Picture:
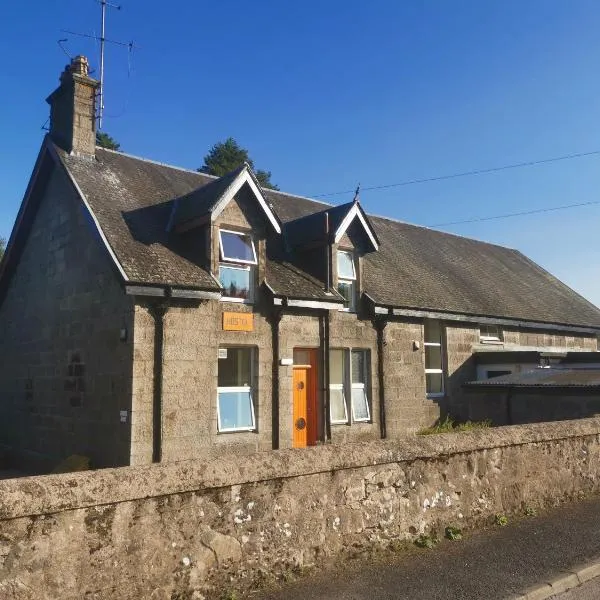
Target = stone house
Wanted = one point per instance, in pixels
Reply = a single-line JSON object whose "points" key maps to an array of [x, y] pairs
{"points": [[151, 313]]}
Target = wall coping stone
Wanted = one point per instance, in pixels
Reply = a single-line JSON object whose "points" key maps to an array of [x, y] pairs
{"points": [[47, 494]]}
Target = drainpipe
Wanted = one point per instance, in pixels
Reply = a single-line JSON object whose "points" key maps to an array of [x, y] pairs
{"points": [[328, 255], [324, 335], [380, 327], [275, 319], [158, 311]]}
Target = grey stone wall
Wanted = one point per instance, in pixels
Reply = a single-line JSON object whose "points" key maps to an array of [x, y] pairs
{"points": [[554, 339], [347, 331], [194, 529], [192, 336], [65, 374]]}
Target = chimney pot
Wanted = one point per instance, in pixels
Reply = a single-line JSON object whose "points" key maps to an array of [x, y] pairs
{"points": [[80, 66]]}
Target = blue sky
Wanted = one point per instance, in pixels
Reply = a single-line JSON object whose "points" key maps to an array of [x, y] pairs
{"points": [[329, 93]]}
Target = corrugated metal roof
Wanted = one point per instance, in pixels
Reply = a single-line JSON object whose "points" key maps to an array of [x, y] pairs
{"points": [[543, 377]]}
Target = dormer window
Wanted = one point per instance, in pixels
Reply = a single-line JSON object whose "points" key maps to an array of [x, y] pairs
{"points": [[236, 269], [347, 279]]}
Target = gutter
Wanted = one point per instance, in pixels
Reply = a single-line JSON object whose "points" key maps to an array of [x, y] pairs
{"points": [[390, 312], [159, 291]]}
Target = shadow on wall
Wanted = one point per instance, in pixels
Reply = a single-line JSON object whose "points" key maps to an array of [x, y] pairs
{"points": [[456, 403], [514, 406]]}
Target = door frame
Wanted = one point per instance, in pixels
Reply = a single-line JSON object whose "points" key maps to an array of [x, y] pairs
{"points": [[312, 395]]}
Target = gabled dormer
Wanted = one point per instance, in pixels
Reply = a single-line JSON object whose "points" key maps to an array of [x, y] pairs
{"points": [[330, 244], [232, 219]]}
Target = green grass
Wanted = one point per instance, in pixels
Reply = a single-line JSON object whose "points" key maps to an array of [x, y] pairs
{"points": [[449, 425]]}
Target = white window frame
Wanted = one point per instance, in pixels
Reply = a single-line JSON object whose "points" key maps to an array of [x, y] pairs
{"points": [[241, 265], [338, 387], [239, 388], [439, 345], [236, 260], [348, 386], [348, 281], [490, 339], [250, 298]]}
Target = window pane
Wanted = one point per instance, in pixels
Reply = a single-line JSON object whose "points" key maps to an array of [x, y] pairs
{"points": [[235, 370], [346, 289], [433, 357], [337, 406], [490, 331], [237, 246], [302, 357], [433, 332], [358, 366], [235, 409], [336, 367], [345, 264], [360, 406], [435, 383], [236, 282]]}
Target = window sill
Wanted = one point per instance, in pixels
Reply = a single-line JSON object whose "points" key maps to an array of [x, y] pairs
{"points": [[362, 421], [236, 300], [340, 423], [491, 341], [436, 395], [238, 430]]}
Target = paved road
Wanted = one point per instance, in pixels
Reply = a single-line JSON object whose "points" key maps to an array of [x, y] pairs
{"points": [[587, 591], [486, 565]]}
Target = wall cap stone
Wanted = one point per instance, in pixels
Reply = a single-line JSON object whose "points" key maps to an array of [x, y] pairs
{"points": [[47, 494]]}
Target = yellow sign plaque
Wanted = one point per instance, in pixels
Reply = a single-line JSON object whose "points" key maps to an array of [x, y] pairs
{"points": [[234, 321]]}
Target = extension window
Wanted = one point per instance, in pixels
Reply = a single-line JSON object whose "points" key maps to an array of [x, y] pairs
{"points": [[235, 397], [237, 265], [348, 386], [490, 334]]}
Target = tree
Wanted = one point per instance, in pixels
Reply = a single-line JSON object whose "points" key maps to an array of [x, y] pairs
{"points": [[106, 141], [226, 156]]}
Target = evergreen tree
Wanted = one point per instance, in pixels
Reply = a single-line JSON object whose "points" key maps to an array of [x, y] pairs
{"points": [[106, 141], [226, 156]]}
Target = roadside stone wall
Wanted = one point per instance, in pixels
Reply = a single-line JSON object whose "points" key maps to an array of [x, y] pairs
{"points": [[194, 529]]}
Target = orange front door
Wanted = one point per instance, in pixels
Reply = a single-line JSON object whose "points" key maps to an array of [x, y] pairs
{"points": [[300, 422]]}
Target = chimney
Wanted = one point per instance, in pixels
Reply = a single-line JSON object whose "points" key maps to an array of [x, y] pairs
{"points": [[73, 109]]}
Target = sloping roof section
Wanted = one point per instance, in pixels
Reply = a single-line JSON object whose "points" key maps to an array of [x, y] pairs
{"points": [[327, 226], [210, 199], [416, 267]]}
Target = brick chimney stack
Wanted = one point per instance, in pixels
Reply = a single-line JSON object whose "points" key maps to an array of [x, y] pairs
{"points": [[73, 109]]}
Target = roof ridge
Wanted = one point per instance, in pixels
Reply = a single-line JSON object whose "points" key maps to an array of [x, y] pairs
{"points": [[434, 230], [157, 162], [215, 177]]}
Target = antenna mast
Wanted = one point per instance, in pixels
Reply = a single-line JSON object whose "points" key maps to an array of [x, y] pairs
{"points": [[103, 5]]}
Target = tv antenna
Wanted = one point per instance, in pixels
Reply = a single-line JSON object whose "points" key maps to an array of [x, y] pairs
{"points": [[104, 4]]}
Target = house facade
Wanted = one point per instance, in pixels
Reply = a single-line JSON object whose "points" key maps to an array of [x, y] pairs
{"points": [[151, 313]]}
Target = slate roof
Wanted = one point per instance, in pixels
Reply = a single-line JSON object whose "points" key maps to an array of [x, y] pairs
{"points": [[545, 378], [415, 267], [201, 200]]}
